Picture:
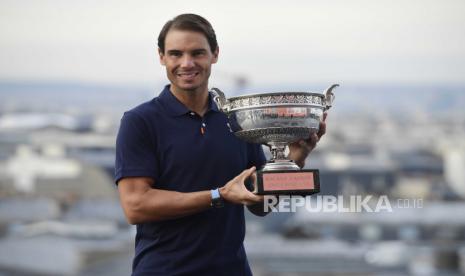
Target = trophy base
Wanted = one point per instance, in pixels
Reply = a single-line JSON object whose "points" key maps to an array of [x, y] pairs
{"points": [[284, 182], [280, 165]]}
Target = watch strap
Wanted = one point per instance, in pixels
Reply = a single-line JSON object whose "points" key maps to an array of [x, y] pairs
{"points": [[217, 200]]}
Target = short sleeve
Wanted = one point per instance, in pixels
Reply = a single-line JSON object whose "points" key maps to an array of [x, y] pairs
{"points": [[135, 150], [256, 156]]}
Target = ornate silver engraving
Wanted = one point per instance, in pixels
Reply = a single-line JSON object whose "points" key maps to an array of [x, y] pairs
{"points": [[276, 98], [275, 119], [278, 134]]}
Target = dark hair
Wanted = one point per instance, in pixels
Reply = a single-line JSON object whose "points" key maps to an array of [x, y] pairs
{"points": [[189, 22]]}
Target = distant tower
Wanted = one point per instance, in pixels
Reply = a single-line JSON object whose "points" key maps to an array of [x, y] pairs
{"points": [[454, 169], [241, 82]]}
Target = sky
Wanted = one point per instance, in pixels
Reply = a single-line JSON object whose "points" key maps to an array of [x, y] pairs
{"points": [[266, 42]]}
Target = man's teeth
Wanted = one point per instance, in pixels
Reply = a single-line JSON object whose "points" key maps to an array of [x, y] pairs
{"points": [[187, 74]]}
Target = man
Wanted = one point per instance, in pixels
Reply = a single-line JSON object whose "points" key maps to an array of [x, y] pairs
{"points": [[180, 171]]}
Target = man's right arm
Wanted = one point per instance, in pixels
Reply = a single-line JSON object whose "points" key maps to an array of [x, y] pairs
{"points": [[142, 203]]}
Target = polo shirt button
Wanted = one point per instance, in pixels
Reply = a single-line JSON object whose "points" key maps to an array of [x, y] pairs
{"points": [[192, 113]]}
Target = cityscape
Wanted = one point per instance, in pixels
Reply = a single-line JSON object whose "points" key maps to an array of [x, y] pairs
{"points": [[60, 214], [391, 164]]}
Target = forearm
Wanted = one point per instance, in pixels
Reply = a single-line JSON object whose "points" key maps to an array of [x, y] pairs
{"points": [[157, 205], [141, 203]]}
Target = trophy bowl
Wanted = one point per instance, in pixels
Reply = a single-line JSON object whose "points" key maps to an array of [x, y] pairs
{"points": [[277, 119]]}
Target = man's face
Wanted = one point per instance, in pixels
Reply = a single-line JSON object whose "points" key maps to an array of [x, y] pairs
{"points": [[188, 60]]}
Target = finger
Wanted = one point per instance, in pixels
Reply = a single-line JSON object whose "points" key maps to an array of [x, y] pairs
{"points": [[253, 198], [312, 141], [253, 178], [322, 129], [258, 198], [250, 182], [308, 144], [247, 173], [325, 114]]}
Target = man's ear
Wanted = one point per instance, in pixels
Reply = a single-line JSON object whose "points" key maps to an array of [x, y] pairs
{"points": [[161, 56], [215, 55]]}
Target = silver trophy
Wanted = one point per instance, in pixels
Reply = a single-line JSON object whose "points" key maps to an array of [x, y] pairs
{"points": [[278, 119]]}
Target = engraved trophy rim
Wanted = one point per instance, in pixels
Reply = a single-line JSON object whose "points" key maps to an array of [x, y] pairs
{"points": [[250, 95], [276, 99]]}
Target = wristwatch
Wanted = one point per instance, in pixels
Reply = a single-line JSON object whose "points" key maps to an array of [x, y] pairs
{"points": [[217, 200]]}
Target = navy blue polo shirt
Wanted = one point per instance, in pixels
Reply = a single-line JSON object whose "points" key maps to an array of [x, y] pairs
{"points": [[184, 152]]}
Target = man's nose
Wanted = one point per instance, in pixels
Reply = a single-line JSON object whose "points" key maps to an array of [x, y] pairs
{"points": [[187, 61]]}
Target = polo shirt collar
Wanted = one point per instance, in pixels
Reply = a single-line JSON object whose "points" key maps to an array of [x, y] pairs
{"points": [[175, 108]]}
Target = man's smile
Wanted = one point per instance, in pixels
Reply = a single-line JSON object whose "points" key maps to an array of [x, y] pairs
{"points": [[187, 75]]}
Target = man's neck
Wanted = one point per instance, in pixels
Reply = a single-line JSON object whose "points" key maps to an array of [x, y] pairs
{"points": [[196, 101]]}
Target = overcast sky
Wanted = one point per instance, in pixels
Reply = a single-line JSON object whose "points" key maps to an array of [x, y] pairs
{"points": [[358, 41]]}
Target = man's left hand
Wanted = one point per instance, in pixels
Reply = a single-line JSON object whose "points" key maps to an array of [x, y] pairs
{"points": [[299, 150]]}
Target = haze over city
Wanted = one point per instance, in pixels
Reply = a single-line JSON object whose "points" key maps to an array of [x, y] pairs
{"points": [[270, 42]]}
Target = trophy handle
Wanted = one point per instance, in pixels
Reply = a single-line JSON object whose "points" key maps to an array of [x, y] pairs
{"points": [[329, 96], [220, 99]]}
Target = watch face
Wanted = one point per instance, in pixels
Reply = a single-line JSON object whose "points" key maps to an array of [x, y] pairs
{"points": [[217, 201]]}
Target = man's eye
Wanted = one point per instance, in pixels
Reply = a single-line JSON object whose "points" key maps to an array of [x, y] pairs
{"points": [[175, 54], [196, 54]]}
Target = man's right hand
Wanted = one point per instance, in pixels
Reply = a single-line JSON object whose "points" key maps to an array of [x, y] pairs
{"points": [[235, 191]]}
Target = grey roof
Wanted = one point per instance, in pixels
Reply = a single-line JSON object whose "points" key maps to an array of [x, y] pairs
{"points": [[28, 209]]}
